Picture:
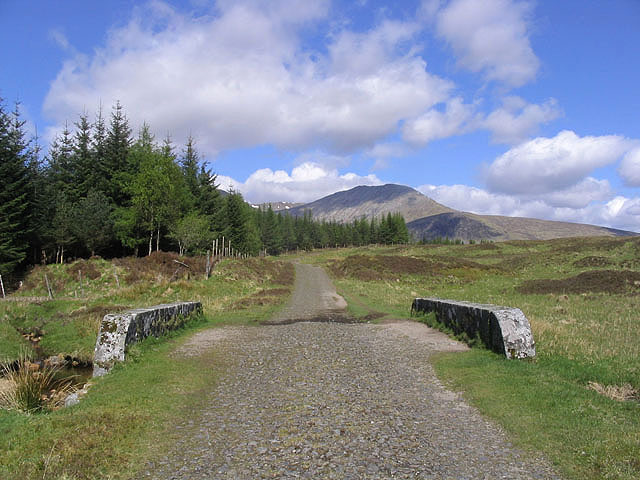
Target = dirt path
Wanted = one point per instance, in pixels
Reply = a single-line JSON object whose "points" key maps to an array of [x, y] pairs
{"points": [[335, 401], [314, 298]]}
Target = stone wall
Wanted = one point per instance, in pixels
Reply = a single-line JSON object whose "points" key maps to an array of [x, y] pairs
{"points": [[117, 331], [504, 330]]}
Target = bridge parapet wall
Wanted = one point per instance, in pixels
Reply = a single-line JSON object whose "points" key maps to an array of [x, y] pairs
{"points": [[504, 330], [117, 331]]}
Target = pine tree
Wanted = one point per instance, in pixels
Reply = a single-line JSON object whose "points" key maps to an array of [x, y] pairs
{"points": [[62, 171], [270, 233], [15, 199], [98, 179], [117, 144], [82, 157], [92, 224], [189, 163]]}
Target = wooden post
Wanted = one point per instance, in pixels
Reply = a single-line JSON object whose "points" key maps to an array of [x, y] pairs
{"points": [[115, 274], [223, 247], [2, 286], [81, 286], [208, 269], [46, 279]]}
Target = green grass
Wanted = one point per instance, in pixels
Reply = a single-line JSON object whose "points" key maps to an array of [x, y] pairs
{"points": [[585, 331], [127, 416], [69, 324]]}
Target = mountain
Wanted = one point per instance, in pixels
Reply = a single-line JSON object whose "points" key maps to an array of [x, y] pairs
{"points": [[428, 219], [366, 201]]}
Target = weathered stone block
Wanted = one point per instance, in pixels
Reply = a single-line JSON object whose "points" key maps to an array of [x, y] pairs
{"points": [[502, 329], [117, 331]]}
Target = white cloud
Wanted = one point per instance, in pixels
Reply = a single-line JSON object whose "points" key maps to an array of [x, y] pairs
{"points": [[545, 165], [472, 199], [630, 168], [490, 36], [307, 182], [384, 152], [60, 39], [242, 78], [434, 124], [618, 212], [516, 120]]}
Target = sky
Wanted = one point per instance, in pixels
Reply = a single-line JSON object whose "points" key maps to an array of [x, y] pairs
{"points": [[506, 107]]}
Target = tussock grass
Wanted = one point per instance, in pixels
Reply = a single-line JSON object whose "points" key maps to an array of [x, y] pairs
{"points": [[32, 390]]}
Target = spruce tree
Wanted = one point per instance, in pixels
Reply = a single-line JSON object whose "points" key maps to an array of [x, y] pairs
{"points": [[15, 201], [82, 157], [62, 170], [189, 163], [117, 144], [99, 178]]}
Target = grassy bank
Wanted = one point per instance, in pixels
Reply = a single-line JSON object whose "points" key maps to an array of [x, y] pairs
{"points": [[128, 414], [84, 291], [581, 297]]}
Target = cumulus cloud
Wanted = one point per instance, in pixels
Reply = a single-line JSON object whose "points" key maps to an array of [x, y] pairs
{"points": [[597, 209], [516, 120], [435, 124], [307, 182], [545, 165], [630, 168], [242, 77], [489, 36]]}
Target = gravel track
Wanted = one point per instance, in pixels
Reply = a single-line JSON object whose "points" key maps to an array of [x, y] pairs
{"points": [[336, 401], [314, 298]]}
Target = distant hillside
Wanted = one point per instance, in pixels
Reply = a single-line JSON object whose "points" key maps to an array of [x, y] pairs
{"points": [[367, 201], [428, 219]]}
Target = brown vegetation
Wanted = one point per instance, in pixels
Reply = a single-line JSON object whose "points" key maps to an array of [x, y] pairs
{"points": [[88, 269], [592, 261], [596, 281], [160, 266], [621, 393], [390, 267]]}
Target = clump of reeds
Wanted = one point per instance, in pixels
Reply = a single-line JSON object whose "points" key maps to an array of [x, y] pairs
{"points": [[31, 390]]}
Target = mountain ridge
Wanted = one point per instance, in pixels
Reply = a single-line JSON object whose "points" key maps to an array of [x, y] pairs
{"points": [[428, 219]]}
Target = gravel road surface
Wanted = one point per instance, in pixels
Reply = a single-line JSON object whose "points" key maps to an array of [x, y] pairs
{"points": [[335, 401], [314, 298]]}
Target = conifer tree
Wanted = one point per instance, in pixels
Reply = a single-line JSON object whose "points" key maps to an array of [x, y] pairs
{"points": [[99, 177], [117, 144], [189, 163], [15, 198], [62, 174], [82, 157]]}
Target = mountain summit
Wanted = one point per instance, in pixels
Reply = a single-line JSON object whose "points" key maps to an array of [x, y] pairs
{"points": [[428, 219], [373, 201]]}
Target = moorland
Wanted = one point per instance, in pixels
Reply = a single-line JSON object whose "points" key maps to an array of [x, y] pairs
{"points": [[577, 402]]}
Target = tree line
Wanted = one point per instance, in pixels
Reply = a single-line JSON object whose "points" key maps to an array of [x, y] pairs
{"points": [[100, 189]]}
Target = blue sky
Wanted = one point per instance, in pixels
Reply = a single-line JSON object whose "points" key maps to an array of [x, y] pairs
{"points": [[492, 106]]}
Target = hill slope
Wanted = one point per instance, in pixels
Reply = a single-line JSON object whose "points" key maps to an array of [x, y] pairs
{"points": [[428, 219], [366, 201]]}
